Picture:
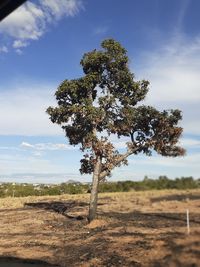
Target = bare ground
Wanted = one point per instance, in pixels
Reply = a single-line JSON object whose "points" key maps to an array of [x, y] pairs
{"points": [[132, 229]]}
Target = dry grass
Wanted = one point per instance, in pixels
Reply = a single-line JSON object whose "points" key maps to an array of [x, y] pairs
{"points": [[132, 229]]}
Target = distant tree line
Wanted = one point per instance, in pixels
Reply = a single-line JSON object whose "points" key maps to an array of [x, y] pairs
{"points": [[24, 190], [163, 182]]}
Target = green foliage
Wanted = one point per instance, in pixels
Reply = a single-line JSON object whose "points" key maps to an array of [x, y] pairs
{"points": [[163, 182], [23, 190], [105, 101], [151, 184], [73, 188]]}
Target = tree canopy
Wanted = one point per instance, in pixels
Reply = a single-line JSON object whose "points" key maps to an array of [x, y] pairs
{"points": [[105, 102]]}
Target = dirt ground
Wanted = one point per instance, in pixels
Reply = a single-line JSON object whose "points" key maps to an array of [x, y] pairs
{"points": [[132, 229]]}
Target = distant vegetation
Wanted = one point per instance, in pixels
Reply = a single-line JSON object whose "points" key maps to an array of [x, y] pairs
{"points": [[163, 182], [151, 184]]}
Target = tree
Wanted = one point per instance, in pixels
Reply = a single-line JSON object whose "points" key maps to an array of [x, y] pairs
{"points": [[104, 102]]}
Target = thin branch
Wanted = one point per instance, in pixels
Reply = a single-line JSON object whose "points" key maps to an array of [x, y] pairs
{"points": [[120, 159]]}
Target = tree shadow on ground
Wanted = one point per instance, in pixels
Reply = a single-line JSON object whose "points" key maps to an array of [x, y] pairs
{"points": [[92, 250], [29, 244], [13, 210], [153, 220], [62, 207], [194, 217], [109, 249], [19, 262], [139, 219], [185, 253], [179, 255], [123, 241], [176, 197]]}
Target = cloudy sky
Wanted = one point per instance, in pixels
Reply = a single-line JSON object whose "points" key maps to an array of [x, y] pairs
{"points": [[41, 44]]}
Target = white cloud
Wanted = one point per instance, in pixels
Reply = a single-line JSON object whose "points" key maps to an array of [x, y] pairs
{"points": [[182, 12], [19, 51], [26, 22], [3, 49], [173, 72], [24, 110], [57, 9], [19, 44], [101, 30], [119, 143], [43, 177], [172, 167], [9, 148], [27, 145], [189, 142], [46, 146], [17, 163], [191, 124], [30, 21], [154, 166], [30, 164], [37, 154]]}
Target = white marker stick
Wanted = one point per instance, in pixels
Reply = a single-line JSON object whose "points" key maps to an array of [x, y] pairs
{"points": [[188, 222]]}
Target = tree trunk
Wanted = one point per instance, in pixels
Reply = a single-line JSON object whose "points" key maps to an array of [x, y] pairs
{"points": [[94, 191]]}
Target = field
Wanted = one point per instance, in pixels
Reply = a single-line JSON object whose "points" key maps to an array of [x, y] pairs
{"points": [[132, 229]]}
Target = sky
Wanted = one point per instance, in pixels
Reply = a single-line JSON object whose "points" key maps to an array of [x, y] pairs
{"points": [[41, 44]]}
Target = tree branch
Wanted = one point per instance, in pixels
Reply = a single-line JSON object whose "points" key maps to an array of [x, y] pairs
{"points": [[120, 159]]}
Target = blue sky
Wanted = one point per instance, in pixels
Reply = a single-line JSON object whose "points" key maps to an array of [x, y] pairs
{"points": [[41, 44]]}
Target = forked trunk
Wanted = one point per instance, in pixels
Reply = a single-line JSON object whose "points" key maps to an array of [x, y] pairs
{"points": [[94, 191]]}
